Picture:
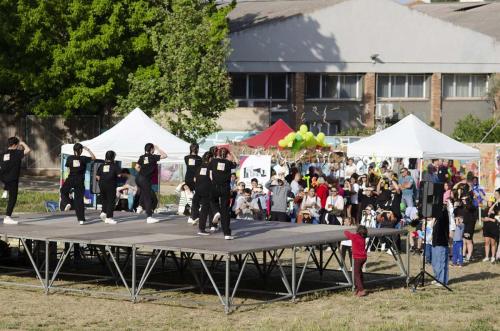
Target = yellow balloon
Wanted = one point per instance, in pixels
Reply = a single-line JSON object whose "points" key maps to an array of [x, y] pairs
{"points": [[303, 128], [282, 143], [290, 144], [320, 136]]}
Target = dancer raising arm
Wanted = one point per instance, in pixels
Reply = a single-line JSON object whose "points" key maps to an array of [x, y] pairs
{"points": [[145, 167], [77, 165], [107, 175], [10, 169], [220, 173]]}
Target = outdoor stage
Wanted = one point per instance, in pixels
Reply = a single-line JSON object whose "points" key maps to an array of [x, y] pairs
{"points": [[128, 254]]}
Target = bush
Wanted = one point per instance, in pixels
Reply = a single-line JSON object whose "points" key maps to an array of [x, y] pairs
{"points": [[472, 130]]}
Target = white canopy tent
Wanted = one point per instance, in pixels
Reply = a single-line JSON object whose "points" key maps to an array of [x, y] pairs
{"points": [[128, 137], [412, 138]]}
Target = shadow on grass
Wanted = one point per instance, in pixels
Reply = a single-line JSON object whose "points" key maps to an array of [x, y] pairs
{"points": [[474, 277]]}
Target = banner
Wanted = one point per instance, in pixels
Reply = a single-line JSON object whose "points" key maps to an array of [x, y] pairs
{"points": [[255, 166]]}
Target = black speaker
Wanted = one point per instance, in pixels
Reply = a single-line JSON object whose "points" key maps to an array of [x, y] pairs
{"points": [[432, 199], [94, 184]]}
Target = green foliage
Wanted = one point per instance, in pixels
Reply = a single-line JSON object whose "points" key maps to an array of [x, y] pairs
{"points": [[188, 85], [71, 56], [471, 129]]}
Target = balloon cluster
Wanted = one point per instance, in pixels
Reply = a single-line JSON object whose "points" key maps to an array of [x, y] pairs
{"points": [[303, 139]]}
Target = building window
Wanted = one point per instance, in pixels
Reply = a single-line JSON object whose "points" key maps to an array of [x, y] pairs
{"points": [[259, 86], [465, 86], [333, 87], [401, 86], [239, 86], [313, 82]]}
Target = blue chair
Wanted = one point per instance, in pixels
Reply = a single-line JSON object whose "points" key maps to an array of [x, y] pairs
{"points": [[51, 206]]}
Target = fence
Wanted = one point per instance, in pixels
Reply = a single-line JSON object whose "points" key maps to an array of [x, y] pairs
{"points": [[46, 136]]}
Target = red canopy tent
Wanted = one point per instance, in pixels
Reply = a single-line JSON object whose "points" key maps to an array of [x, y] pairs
{"points": [[270, 136]]}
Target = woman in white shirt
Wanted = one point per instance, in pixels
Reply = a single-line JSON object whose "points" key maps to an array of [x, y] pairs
{"points": [[350, 168], [334, 207], [353, 187], [310, 207]]}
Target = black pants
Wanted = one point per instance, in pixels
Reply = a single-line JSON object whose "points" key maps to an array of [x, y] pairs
{"points": [[108, 198], [78, 186], [148, 197], [221, 195], [279, 216], [204, 201], [195, 208], [12, 188]]}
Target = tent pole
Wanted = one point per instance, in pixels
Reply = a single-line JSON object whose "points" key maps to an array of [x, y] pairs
{"points": [[479, 183], [420, 172]]}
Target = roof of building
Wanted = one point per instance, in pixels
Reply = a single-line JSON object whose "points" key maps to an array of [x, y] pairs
{"points": [[483, 17], [249, 13]]}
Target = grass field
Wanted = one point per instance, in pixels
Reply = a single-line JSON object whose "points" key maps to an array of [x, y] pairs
{"points": [[474, 304]]}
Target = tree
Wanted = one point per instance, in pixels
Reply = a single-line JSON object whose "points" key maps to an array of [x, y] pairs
{"points": [[188, 85], [472, 130], [71, 56]]}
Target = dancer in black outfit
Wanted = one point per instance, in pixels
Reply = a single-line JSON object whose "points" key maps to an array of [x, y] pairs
{"points": [[220, 173], [77, 165], [193, 163], [107, 175], [145, 167], [202, 193], [10, 169]]}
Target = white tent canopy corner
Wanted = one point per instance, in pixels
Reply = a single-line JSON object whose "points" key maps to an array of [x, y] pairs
{"points": [[412, 138], [129, 136]]}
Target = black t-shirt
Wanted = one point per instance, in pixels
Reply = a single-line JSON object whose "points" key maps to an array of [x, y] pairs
{"points": [[442, 173], [108, 173], [11, 164], [221, 170], [148, 163], [441, 230], [203, 182], [77, 165], [193, 162]]}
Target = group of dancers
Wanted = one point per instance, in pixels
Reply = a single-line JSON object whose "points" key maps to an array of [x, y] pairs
{"points": [[208, 176]]}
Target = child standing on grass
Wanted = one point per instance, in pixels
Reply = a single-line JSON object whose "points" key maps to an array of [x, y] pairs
{"points": [[359, 257], [457, 258]]}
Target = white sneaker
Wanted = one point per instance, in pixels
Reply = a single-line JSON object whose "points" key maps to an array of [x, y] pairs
{"points": [[216, 218], [9, 220], [486, 259], [67, 207], [81, 222], [102, 216], [228, 237], [389, 252], [492, 260], [139, 210], [109, 221], [213, 229], [5, 194], [151, 220], [192, 221], [203, 233]]}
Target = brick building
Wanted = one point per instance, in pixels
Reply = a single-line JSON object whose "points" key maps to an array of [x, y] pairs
{"points": [[339, 64]]}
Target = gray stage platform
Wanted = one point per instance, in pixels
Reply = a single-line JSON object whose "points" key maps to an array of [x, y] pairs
{"points": [[173, 235]]}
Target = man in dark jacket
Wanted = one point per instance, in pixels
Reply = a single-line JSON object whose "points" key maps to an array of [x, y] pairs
{"points": [[440, 238]]}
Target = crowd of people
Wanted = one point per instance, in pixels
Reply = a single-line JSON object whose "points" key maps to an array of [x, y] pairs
{"points": [[373, 195]]}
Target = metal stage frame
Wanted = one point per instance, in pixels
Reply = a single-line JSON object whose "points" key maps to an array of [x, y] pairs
{"points": [[131, 259]]}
